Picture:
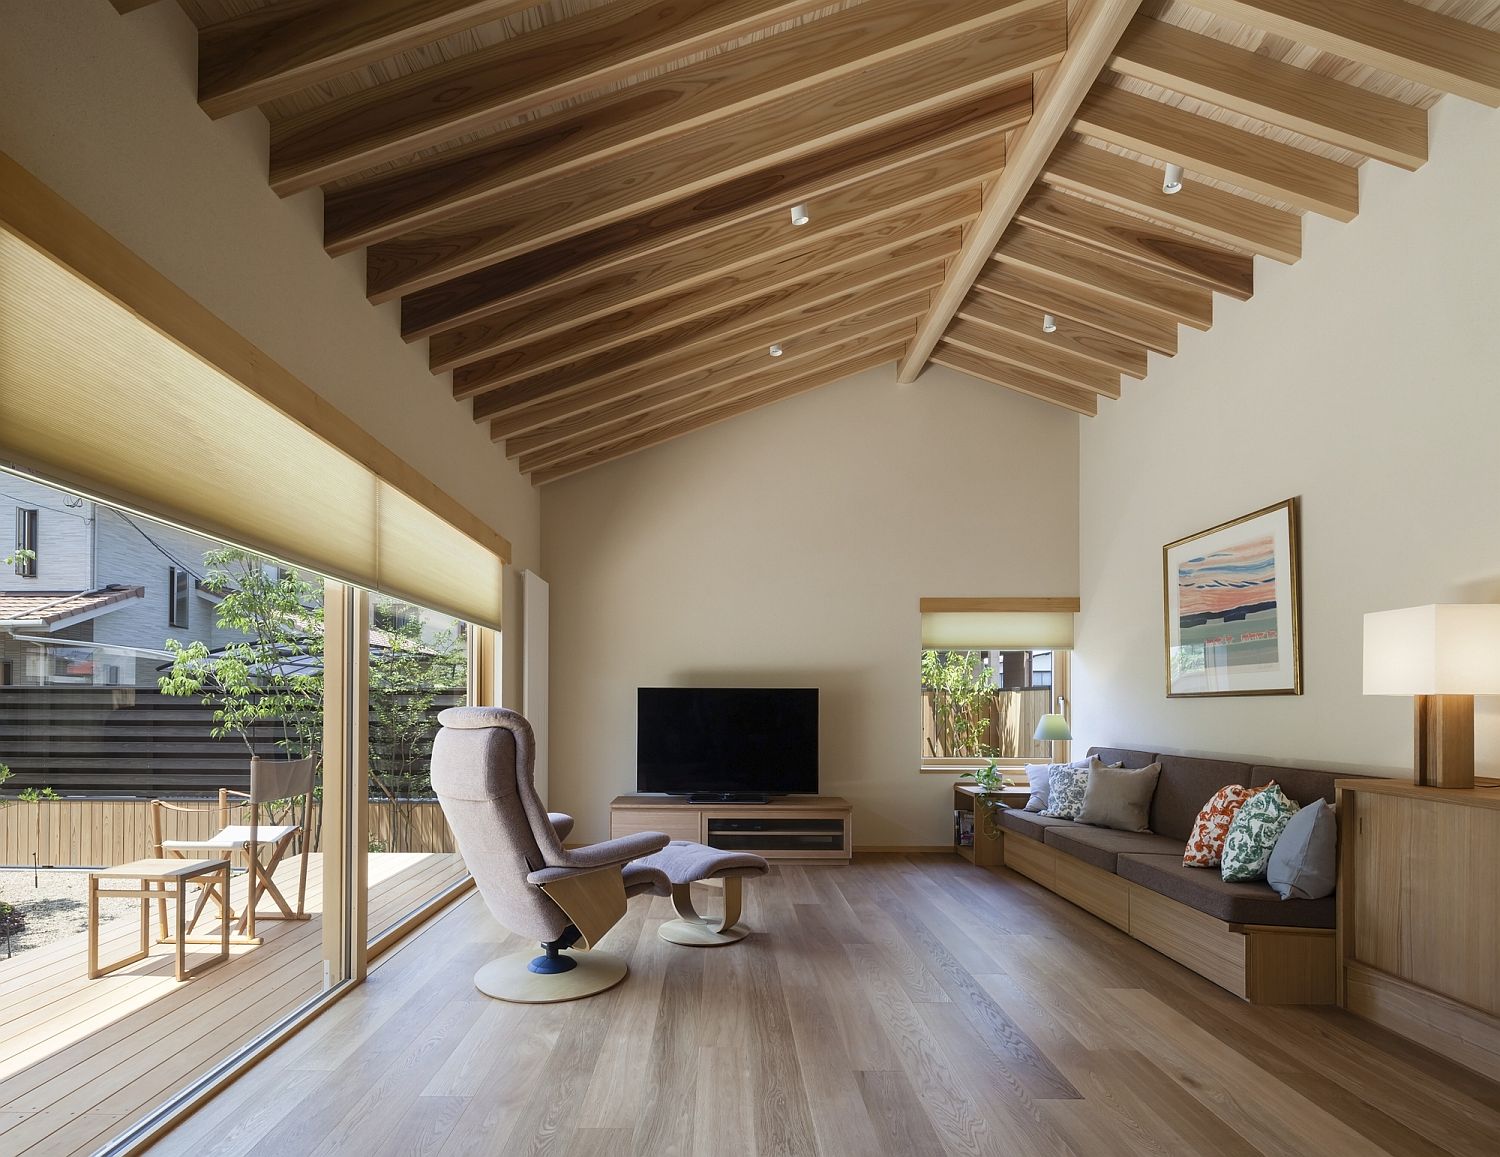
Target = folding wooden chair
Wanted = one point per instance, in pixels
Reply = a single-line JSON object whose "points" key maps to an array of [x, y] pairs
{"points": [[271, 780]]}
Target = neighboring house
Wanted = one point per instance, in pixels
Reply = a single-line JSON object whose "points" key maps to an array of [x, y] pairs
{"points": [[102, 595]]}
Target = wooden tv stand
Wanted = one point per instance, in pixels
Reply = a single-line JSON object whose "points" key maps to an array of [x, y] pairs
{"points": [[792, 827]]}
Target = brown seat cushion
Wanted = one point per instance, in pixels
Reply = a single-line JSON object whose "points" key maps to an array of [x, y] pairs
{"points": [[1123, 756], [1185, 784], [1205, 890], [1028, 824], [1100, 846]]}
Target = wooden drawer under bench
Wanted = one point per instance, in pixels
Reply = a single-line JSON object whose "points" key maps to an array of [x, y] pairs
{"points": [[1262, 964]]}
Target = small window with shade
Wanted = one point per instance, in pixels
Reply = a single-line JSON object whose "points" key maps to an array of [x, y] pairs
{"points": [[995, 681]]}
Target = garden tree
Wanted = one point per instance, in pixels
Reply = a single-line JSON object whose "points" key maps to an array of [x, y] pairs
{"points": [[270, 678], [963, 692], [409, 672], [31, 795], [273, 674]]}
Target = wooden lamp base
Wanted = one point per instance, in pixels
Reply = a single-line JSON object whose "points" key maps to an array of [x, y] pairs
{"points": [[1443, 734]]}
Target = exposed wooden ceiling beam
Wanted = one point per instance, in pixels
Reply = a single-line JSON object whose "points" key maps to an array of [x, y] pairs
{"points": [[681, 318], [798, 385], [555, 62], [1135, 286], [614, 418], [1221, 151], [966, 361], [655, 410], [707, 341], [664, 171], [809, 59], [1280, 94], [704, 368], [250, 59], [124, 6], [1391, 35], [579, 324], [1091, 38], [877, 171], [1205, 209], [938, 194], [1024, 322], [1137, 240], [1031, 360], [1054, 295]]}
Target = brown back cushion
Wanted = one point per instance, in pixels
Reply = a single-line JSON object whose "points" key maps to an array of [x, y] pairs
{"points": [[1302, 784], [1185, 785], [1123, 756]]}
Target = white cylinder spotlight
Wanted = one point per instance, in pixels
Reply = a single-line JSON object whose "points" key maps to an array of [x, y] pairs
{"points": [[1172, 181]]}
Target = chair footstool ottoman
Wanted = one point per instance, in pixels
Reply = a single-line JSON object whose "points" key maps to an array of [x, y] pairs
{"points": [[684, 864]]}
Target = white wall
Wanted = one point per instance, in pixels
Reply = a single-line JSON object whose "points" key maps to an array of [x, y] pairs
{"points": [[1366, 379], [789, 547], [103, 108]]}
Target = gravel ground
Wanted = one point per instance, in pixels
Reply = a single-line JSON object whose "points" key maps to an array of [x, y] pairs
{"points": [[54, 907]]}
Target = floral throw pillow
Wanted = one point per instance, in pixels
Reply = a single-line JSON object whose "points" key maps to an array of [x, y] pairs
{"points": [[1066, 785], [1253, 834], [1205, 846]]}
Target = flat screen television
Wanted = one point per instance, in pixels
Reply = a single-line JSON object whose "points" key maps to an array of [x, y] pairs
{"points": [[727, 742]]}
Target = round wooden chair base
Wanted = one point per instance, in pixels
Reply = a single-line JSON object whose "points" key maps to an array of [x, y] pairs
{"points": [[698, 935], [509, 979]]}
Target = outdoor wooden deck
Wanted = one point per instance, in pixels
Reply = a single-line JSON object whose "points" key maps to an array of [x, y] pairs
{"points": [[82, 1059]]}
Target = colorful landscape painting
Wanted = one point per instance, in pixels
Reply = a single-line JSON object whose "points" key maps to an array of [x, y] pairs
{"points": [[1231, 608]]}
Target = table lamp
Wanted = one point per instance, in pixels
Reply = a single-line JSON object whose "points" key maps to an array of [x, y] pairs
{"points": [[1443, 655], [1053, 728]]}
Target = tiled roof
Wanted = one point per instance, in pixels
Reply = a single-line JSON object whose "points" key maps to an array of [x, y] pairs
{"points": [[54, 609]]}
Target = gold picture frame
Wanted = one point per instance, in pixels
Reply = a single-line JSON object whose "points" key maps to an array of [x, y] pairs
{"points": [[1231, 607]]}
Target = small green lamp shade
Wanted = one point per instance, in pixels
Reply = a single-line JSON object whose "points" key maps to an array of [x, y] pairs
{"points": [[1054, 728]]}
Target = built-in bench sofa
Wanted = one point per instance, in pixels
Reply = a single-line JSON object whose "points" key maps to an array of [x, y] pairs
{"points": [[1243, 937]]}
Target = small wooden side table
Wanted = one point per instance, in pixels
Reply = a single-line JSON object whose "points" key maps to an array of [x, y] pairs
{"points": [[973, 818], [172, 877]]}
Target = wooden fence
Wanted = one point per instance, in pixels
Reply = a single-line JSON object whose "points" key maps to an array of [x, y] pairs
{"points": [[102, 832], [1012, 722]]}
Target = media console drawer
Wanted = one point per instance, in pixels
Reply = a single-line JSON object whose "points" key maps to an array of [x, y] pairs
{"points": [[791, 828]]}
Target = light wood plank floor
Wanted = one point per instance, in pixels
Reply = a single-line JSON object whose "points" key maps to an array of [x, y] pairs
{"points": [[896, 1006], [899, 1005], [80, 1059]]}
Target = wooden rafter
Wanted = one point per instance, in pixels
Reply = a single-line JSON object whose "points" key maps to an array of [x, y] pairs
{"points": [[1030, 360], [707, 341], [1204, 209], [1221, 151], [1091, 38], [274, 51], [708, 368], [798, 385], [554, 208], [610, 421], [1257, 86], [1134, 239], [1394, 36], [1045, 292], [1024, 322], [578, 325], [479, 89], [704, 314], [876, 172], [1074, 398]]}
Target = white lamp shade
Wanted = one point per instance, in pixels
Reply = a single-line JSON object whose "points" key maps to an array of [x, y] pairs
{"points": [[1054, 728], [1443, 649]]}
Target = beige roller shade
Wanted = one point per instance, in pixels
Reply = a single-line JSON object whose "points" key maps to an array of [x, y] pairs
{"points": [[95, 397], [998, 624]]}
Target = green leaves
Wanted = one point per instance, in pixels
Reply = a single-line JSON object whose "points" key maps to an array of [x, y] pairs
{"points": [[962, 691]]}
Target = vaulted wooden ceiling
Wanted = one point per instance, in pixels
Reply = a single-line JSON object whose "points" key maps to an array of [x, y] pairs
{"points": [[584, 206]]}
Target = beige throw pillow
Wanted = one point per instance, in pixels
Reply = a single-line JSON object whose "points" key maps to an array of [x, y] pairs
{"points": [[1119, 798]]}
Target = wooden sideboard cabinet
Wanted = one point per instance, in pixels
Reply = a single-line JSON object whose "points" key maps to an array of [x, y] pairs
{"points": [[1419, 914], [790, 827]]}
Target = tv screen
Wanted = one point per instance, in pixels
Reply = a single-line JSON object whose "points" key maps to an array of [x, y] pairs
{"points": [[723, 741]]}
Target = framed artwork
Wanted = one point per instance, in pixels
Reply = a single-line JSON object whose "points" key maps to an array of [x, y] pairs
{"points": [[1233, 626]]}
